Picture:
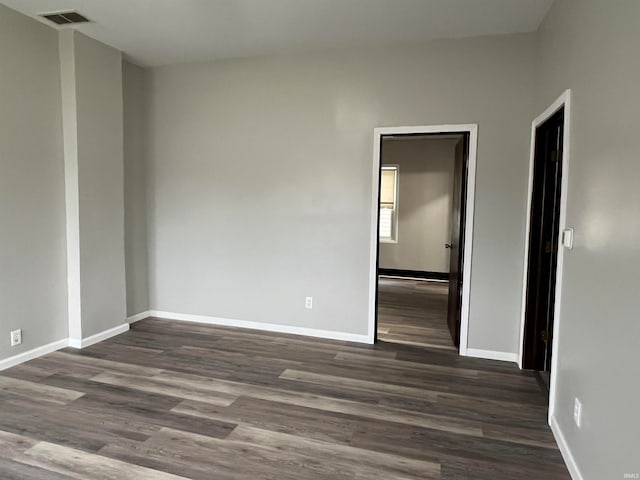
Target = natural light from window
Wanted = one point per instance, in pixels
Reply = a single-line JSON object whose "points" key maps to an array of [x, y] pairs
{"points": [[388, 204]]}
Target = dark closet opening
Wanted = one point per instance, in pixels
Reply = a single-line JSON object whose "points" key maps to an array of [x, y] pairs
{"points": [[544, 234]]}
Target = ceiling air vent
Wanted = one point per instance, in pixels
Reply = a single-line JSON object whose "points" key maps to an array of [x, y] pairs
{"points": [[65, 18]]}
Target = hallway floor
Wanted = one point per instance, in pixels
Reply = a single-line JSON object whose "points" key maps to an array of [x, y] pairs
{"points": [[413, 312]]}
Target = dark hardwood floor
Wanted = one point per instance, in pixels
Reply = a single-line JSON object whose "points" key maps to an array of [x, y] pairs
{"points": [[413, 312], [173, 400]]}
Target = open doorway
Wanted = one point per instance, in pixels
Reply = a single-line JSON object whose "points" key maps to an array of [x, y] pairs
{"points": [[424, 183], [544, 234], [544, 242]]}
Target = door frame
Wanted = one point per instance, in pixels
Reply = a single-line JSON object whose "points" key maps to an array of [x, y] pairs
{"points": [[378, 133], [564, 100]]}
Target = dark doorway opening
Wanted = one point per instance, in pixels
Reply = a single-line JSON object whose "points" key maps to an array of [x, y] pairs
{"points": [[544, 239], [451, 316]]}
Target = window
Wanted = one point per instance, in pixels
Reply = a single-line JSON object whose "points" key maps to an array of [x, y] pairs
{"points": [[389, 204]]}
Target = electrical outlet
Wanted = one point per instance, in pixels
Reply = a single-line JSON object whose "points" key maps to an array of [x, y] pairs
{"points": [[308, 302], [577, 412], [16, 337]]}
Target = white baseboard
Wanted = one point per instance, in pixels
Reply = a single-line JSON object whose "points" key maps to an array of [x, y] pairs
{"points": [[98, 337], [33, 353], [418, 279], [139, 316], [492, 355], [572, 466], [270, 327]]}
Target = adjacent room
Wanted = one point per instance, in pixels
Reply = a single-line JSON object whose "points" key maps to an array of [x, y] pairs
{"points": [[319, 239], [416, 217]]}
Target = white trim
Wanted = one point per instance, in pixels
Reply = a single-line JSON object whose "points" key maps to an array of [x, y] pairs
{"points": [[418, 279], [112, 332], [492, 355], [269, 327], [563, 100], [139, 316], [66, 47], [472, 129], [98, 337], [572, 466], [33, 353], [65, 342]]}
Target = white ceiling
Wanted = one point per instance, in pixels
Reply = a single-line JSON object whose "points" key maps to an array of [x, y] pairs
{"points": [[160, 32]]}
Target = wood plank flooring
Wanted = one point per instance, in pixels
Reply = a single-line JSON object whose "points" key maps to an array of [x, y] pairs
{"points": [[171, 400], [413, 312]]}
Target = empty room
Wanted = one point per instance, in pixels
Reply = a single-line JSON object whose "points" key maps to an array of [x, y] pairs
{"points": [[319, 239], [419, 237]]}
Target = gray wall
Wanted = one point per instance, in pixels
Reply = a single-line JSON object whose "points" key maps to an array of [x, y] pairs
{"points": [[424, 203], [592, 47], [101, 185], [135, 145], [260, 178], [33, 288], [92, 110]]}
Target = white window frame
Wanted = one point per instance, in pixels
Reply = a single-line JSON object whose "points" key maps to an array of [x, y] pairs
{"points": [[395, 214]]}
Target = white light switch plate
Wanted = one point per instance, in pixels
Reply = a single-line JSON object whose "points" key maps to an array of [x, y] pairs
{"points": [[567, 238]]}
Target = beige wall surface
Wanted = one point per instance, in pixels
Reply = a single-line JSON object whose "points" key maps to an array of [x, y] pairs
{"points": [[591, 47], [260, 178], [33, 289], [425, 185], [135, 145]]}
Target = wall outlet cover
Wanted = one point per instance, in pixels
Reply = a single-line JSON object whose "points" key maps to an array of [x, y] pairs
{"points": [[16, 337]]}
